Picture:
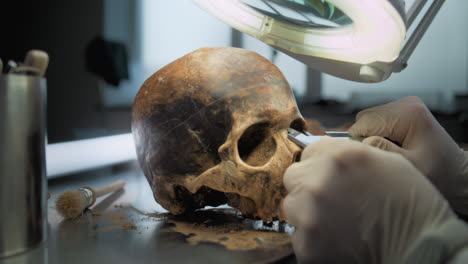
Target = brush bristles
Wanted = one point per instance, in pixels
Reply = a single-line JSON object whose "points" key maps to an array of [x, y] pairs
{"points": [[71, 204]]}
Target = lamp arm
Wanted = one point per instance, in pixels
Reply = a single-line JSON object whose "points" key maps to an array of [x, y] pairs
{"points": [[402, 60], [413, 12]]}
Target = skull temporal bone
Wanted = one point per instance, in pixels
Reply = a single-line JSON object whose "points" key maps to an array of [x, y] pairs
{"points": [[211, 127]]}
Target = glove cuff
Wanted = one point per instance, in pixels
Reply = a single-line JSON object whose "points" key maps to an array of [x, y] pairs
{"points": [[439, 245], [458, 198]]}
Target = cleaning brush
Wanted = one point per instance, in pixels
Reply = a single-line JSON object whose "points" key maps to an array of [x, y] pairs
{"points": [[37, 59], [71, 204]]}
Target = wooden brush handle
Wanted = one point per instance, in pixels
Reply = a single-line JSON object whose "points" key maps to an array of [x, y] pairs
{"points": [[109, 188], [37, 59]]}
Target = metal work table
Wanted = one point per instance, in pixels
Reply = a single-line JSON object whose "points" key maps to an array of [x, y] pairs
{"points": [[124, 227]]}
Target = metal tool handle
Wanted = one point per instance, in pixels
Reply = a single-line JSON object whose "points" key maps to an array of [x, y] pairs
{"points": [[303, 139], [338, 134]]}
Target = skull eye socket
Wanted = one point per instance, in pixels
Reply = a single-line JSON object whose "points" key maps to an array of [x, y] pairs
{"points": [[256, 146]]}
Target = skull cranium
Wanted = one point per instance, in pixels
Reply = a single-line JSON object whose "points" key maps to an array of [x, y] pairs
{"points": [[211, 128]]}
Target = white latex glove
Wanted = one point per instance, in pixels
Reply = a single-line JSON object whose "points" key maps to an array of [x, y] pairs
{"points": [[352, 203], [423, 141]]}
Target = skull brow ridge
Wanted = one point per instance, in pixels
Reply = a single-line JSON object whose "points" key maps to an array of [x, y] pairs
{"points": [[215, 101]]}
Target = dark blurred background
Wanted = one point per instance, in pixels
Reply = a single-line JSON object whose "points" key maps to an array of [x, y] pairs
{"points": [[102, 50], [63, 29]]}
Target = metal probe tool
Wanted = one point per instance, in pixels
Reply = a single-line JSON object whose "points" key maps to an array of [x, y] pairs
{"points": [[305, 138]]}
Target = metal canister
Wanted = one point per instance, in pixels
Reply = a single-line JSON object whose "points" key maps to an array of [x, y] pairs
{"points": [[23, 182]]}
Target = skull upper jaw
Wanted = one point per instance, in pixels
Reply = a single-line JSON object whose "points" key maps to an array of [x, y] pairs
{"points": [[256, 191]]}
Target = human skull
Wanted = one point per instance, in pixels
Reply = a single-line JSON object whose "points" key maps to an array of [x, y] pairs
{"points": [[211, 128]]}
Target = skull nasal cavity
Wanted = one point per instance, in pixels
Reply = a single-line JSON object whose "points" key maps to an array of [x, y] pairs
{"points": [[256, 146]]}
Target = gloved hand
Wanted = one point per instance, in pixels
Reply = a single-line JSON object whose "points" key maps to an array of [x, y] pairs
{"points": [[423, 141], [352, 203]]}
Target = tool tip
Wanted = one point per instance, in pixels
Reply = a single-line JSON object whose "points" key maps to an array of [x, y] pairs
{"points": [[71, 204]]}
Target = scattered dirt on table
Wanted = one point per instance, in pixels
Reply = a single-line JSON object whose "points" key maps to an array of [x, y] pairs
{"points": [[118, 222], [232, 238], [225, 227], [129, 225], [116, 218], [157, 216], [123, 219], [110, 228], [114, 222], [229, 229]]}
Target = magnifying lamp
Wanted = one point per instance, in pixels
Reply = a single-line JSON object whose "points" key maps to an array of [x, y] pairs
{"points": [[358, 40]]}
